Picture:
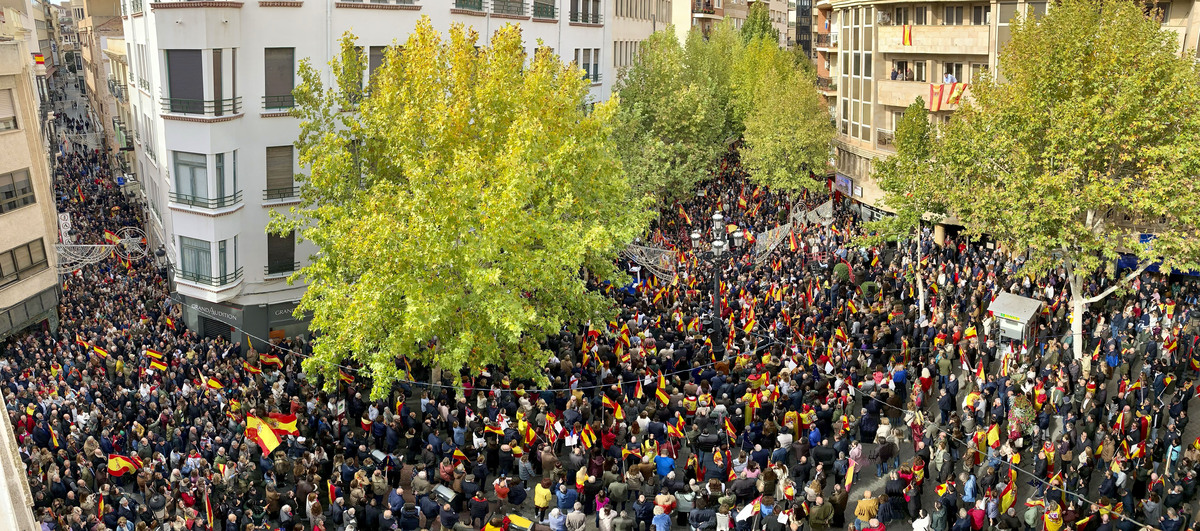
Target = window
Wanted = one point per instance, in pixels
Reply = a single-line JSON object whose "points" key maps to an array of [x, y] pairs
{"points": [[954, 16], [185, 77], [191, 176], [16, 191], [8, 111], [279, 173], [281, 253], [919, 71], [981, 15], [977, 70], [920, 17], [901, 16], [953, 69], [1038, 10], [280, 76], [375, 59], [22, 262], [195, 258]]}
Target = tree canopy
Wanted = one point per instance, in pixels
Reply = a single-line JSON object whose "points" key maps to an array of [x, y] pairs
{"points": [[454, 205], [758, 24], [1094, 122], [683, 105]]}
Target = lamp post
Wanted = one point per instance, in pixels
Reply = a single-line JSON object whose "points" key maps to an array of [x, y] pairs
{"points": [[720, 251]]}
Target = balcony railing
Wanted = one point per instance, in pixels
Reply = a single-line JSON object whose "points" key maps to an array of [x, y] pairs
{"points": [[508, 7], [135, 6], [544, 11], [209, 280], [144, 83], [281, 268], [275, 194], [473, 5], [826, 40], [205, 107], [703, 7], [586, 18], [284, 101], [593, 77], [206, 202], [825, 83], [885, 139]]}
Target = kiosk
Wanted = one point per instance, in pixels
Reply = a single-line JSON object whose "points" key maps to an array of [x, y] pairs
{"points": [[1015, 317]]}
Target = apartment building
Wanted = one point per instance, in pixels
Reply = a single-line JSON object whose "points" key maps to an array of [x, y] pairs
{"points": [[101, 21], [115, 115], [209, 89], [874, 59], [28, 284]]}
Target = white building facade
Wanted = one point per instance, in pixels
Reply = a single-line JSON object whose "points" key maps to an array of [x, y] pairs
{"points": [[210, 86]]}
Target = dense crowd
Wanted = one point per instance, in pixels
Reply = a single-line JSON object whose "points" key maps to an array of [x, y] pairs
{"points": [[818, 369]]}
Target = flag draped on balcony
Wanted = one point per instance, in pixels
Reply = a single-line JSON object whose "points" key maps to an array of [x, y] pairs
{"points": [[907, 35]]}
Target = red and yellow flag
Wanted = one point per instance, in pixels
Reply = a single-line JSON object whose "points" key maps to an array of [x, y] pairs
{"points": [[262, 434], [155, 364], [246, 366], [118, 465], [154, 354], [907, 35], [270, 359]]}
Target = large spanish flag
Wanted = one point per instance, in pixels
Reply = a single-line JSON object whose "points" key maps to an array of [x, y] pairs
{"points": [[154, 354], [281, 423], [270, 359], [935, 97], [907, 35], [100, 352], [155, 364], [118, 465], [261, 434], [250, 368]]}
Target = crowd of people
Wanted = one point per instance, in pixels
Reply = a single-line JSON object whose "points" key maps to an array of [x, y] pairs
{"points": [[828, 386]]}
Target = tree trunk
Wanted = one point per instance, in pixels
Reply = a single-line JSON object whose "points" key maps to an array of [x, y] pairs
{"points": [[1077, 339]]}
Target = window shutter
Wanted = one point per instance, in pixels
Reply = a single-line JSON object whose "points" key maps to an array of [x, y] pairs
{"points": [[7, 109], [279, 167], [280, 71]]}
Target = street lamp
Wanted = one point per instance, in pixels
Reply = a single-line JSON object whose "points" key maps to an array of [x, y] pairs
{"points": [[720, 250]]}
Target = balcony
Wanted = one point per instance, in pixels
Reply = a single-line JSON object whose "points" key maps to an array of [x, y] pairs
{"points": [[580, 17], [206, 108], [825, 84], [704, 10], [826, 40], [903, 93], [593, 77], [281, 194], [208, 280], [515, 8], [281, 268], [885, 139], [207, 203], [143, 83], [936, 40], [278, 103], [469, 5], [135, 7], [544, 11]]}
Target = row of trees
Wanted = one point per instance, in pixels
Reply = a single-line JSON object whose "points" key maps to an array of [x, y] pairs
{"points": [[683, 104], [1096, 117], [459, 200]]}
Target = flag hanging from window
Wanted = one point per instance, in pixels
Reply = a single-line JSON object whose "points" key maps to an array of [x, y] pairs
{"points": [[908, 35]]}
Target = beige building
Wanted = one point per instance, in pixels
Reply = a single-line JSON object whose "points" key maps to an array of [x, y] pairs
{"points": [[101, 21], [28, 225], [116, 116], [870, 72]]}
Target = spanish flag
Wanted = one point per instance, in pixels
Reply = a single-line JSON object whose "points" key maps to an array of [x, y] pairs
{"points": [[79, 340], [850, 475], [270, 359], [730, 228], [53, 436], [588, 436], [155, 364], [661, 391], [285, 424], [154, 354], [493, 429], [732, 433], [793, 245], [907, 35], [250, 368], [332, 490], [100, 352], [851, 307], [617, 411], [683, 214], [208, 512], [110, 236], [262, 434], [942, 489], [749, 325], [637, 391], [970, 333], [343, 376], [118, 465], [935, 105], [213, 383], [625, 453], [672, 431], [840, 334], [993, 436]]}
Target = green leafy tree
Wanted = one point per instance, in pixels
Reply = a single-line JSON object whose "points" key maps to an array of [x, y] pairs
{"points": [[910, 189], [455, 206], [1097, 118], [758, 24], [669, 123], [788, 130]]}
